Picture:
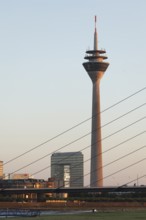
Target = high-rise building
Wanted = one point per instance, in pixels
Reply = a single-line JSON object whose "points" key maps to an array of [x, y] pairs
{"points": [[1, 169], [95, 68], [67, 169]]}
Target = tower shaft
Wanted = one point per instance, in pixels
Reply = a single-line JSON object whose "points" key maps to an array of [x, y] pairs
{"points": [[96, 176], [95, 68]]}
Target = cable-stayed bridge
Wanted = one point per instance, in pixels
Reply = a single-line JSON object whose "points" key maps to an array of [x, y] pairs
{"points": [[79, 190], [130, 123]]}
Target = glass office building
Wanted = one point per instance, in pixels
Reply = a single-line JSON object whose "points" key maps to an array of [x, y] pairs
{"points": [[67, 169]]}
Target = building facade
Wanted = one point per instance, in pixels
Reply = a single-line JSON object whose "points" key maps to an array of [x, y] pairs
{"points": [[1, 169], [67, 169], [16, 176]]}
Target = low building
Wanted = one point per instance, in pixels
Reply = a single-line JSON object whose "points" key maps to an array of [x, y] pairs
{"points": [[22, 184], [19, 176]]}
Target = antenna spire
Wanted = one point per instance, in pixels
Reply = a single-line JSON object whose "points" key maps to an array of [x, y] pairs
{"points": [[95, 22], [95, 37]]}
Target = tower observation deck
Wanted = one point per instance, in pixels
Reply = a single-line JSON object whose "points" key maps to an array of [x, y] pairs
{"points": [[95, 67]]}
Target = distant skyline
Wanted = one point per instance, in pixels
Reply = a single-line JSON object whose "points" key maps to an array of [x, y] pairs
{"points": [[45, 90]]}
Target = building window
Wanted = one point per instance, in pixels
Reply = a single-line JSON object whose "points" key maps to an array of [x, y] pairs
{"points": [[66, 178]]}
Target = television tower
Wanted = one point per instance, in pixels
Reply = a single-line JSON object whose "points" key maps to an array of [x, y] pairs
{"points": [[95, 68]]}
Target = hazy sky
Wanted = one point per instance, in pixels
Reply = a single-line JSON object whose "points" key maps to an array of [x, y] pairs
{"points": [[45, 90]]}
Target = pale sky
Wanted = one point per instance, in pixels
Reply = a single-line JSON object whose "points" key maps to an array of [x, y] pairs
{"points": [[44, 89]]}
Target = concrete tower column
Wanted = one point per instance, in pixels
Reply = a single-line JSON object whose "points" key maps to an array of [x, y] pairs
{"points": [[95, 68]]}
